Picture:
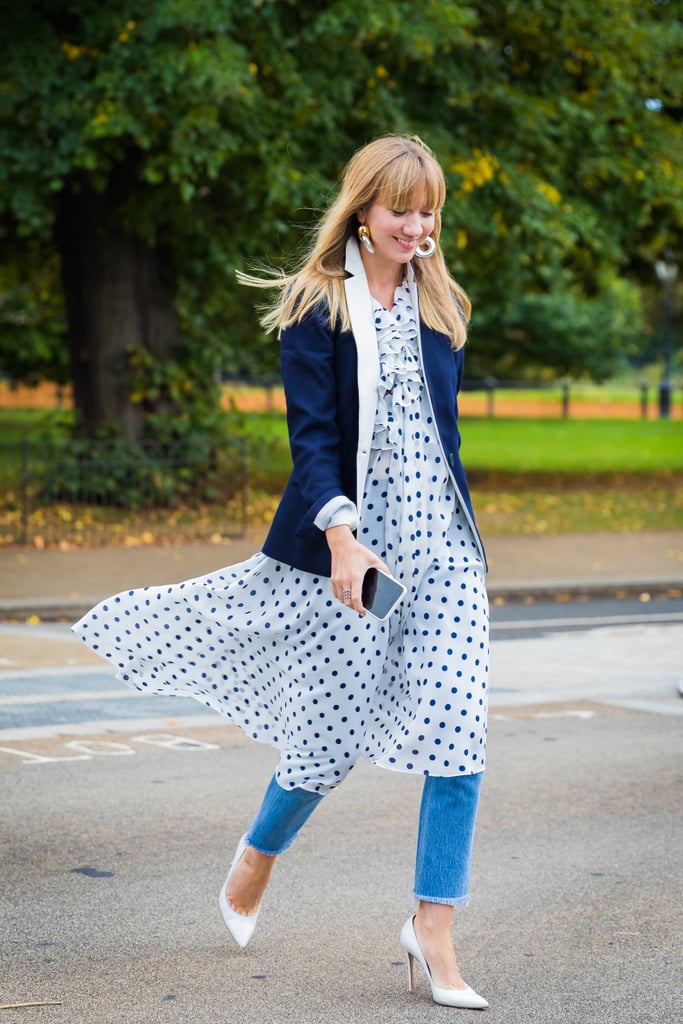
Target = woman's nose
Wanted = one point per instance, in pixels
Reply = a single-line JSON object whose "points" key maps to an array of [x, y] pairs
{"points": [[412, 225]]}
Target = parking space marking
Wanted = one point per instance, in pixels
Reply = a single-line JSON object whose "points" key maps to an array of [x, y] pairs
{"points": [[87, 749]]}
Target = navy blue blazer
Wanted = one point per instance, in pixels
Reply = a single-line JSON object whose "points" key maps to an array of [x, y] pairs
{"points": [[330, 379]]}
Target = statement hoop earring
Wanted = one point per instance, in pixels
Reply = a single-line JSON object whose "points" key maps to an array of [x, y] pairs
{"points": [[365, 239], [427, 249]]}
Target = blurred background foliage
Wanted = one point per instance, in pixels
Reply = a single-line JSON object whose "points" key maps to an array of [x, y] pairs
{"points": [[151, 148]]}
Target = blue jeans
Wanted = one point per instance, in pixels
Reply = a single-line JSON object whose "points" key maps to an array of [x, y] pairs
{"points": [[448, 813], [444, 844]]}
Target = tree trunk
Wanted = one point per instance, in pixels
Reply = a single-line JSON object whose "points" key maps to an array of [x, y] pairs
{"points": [[116, 301]]}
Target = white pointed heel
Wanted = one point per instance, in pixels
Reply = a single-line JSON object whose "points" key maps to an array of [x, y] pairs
{"points": [[240, 926], [465, 998]]}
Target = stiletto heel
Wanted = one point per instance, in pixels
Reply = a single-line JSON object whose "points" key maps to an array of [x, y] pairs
{"points": [[411, 972], [240, 926], [465, 998]]}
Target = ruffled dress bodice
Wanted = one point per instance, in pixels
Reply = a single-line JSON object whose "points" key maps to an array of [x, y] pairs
{"points": [[400, 382]]}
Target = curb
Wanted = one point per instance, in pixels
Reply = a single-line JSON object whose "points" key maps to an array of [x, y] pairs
{"points": [[605, 589], [71, 609]]}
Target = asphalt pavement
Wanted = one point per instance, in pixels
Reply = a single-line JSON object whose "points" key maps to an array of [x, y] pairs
{"points": [[116, 828], [115, 844]]}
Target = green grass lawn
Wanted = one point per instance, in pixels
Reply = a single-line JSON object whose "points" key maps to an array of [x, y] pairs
{"points": [[502, 445], [544, 476], [527, 476], [534, 446], [572, 446], [31, 425]]}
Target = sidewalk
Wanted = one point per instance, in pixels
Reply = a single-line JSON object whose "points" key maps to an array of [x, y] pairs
{"points": [[56, 584]]}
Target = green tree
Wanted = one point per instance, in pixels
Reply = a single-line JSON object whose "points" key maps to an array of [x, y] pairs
{"points": [[567, 178], [151, 148], [159, 147]]}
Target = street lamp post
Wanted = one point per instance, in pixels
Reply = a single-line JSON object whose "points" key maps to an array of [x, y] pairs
{"points": [[666, 270]]}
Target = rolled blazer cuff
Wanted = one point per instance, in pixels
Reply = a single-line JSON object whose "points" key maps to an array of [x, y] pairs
{"points": [[339, 511], [308, 526]]}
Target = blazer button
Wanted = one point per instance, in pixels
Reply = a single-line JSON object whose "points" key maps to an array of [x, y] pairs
{"points": [[451, 459]]}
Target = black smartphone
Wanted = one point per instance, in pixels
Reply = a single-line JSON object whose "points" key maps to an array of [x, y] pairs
{"points": [[381, 593]]}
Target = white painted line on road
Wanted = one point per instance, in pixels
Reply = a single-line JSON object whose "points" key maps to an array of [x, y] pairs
{"points": [[75, 695], [589, 622], [654, 707], [56, 672], [200, 721], [563, 714], [499, 702], [90, 748], [583, 715]]}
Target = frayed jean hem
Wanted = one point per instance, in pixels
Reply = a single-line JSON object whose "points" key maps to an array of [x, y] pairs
{"points": [[268, 853], [282, 814], [447, 901]]}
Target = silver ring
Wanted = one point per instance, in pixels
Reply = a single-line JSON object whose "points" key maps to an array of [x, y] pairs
{"points": [[346, 594]]}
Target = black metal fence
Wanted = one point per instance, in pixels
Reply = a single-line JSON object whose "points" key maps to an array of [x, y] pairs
{"points": [[74, 492], [84, 492], [563, 398], [657, 400]]}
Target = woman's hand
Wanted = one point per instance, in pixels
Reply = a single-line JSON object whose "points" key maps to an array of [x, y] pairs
{"points": [[350, 562]]}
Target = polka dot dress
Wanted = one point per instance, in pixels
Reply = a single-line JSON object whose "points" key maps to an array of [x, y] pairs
{"points": [[268, 647]]}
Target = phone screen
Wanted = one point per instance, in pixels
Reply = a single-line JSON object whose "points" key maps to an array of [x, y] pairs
{"points": [[381, 593]]}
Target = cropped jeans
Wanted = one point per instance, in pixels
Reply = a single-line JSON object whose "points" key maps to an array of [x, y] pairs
{"points": [[448, 812]]}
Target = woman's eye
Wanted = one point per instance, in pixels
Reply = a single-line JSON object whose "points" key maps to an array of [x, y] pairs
{"points": [[402, 213]]}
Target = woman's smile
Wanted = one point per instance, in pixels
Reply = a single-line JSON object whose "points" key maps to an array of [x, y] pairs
{"points": [[406, 243]]}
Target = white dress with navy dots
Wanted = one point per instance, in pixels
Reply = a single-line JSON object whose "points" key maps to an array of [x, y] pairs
{"points": [[269, 647]]}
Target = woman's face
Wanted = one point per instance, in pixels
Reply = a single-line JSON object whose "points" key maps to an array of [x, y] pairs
{"points": [[396, 234]]}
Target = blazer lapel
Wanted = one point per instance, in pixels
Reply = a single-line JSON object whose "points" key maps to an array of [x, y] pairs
{"points": [[363, 328]]}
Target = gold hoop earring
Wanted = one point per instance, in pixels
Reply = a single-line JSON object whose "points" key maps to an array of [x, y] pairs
{"points": [[427, 249], [365, 239]]}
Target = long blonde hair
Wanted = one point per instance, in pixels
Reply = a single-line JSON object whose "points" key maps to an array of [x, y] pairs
{"points": [[396, 170]]}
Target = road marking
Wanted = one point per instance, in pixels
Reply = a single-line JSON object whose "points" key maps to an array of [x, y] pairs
{"points": [[583, 715], [654, 707], [596, 620], [563, 714], [57, 672], [75, 695], [86, 750], [115, 725]]}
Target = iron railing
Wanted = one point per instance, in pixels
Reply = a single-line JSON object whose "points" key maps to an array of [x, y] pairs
{"points": [[560, 394], [73, 492]]}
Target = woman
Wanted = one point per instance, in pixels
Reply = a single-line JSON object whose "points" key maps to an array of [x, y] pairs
{"points": [[372, 329]]}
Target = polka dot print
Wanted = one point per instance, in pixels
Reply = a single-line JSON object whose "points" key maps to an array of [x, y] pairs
{"points": [[267, 646]]}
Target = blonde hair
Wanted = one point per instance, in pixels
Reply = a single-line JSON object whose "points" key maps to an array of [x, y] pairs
{"points": [[397, 171]]}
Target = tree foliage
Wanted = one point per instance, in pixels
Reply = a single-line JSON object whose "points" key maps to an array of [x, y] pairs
{"points": [[576, 180], [211, 132]]}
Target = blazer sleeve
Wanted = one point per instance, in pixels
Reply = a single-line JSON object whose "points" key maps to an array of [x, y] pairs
{"points": [[309, 378]]}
